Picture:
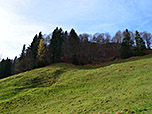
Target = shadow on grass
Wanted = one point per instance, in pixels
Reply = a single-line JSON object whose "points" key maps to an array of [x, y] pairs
{"points": [[44, 80]]}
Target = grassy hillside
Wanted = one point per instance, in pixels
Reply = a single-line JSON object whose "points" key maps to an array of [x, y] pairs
{"points": [[66, 89]]}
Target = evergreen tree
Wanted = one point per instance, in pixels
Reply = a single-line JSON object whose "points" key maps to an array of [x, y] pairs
{"points": [[34, 49], [73, 38], [5, 68], [23, 52], [140, 45], [25, 62], [35, 43], [66, 35], [14, 65], [20, 65], [29, 60], [56, 45], [126, 45], [74, 42]]}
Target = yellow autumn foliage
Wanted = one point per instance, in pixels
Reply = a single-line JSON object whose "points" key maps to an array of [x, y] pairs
{"points": [[41, 50]]}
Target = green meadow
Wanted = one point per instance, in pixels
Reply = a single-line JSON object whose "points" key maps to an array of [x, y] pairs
{"points": [[118, 86]]}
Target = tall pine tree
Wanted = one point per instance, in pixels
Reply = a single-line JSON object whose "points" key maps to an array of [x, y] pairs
{"points": [[140, 45], [56, 45], [126, 45], [74, 42], [35, 43], [34, 49]]}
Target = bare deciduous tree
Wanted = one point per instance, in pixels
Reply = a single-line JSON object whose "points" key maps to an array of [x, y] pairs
{"points": [[147, 37], [107, 38], [118, 37]]}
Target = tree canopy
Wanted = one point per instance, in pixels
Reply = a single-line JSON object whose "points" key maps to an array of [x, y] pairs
{"points": [[69, 47]]}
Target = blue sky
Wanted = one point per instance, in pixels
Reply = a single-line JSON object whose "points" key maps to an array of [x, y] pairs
{"points": [[20, 20]]}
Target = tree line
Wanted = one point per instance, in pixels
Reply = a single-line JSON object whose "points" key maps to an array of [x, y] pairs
{"points": [[61, 46]]}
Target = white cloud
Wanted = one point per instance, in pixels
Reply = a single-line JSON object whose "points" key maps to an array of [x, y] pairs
{"points": [[16, 30]]}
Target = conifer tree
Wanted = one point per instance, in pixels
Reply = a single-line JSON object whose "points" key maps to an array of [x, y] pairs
{"points": [[34, 49], [20, 65], [35, 43], [23, 51], [56, 45], [140, 45], [5, 68], [73, 38], [126, 45], [74, 42]]}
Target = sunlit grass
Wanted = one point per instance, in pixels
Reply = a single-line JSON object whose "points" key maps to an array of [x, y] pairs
{"points": [[113, 87]]}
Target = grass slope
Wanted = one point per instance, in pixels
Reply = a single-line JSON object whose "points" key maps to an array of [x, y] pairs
{"points": [[67, 89]]}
